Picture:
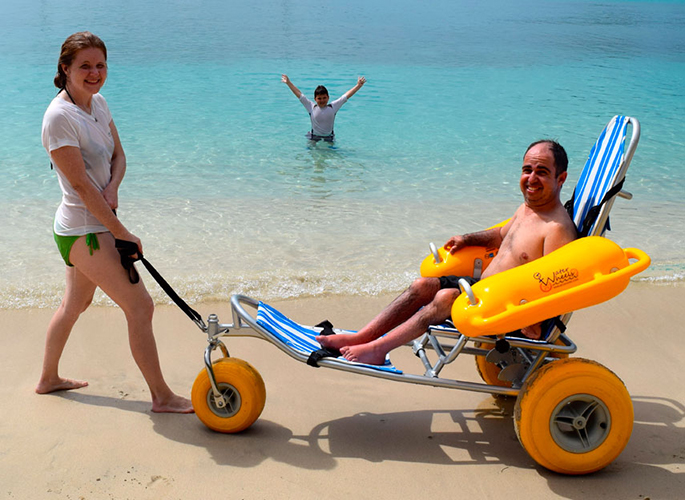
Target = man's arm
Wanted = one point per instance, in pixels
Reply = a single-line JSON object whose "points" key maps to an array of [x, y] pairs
{"points": [[559, 236], [491, 238], [360, 83], [295, 90]]}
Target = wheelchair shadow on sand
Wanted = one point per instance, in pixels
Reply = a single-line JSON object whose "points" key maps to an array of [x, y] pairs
{"points": [[483, 435]]}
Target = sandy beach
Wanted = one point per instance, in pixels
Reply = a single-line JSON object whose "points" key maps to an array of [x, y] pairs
{"points": [[323, 433]]}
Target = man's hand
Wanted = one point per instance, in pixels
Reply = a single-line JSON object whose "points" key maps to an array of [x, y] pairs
{"points": [[454, 244]]}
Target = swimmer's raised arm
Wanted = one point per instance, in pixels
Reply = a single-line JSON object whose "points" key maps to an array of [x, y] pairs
{"points": [[296, 91], [360, 83]]}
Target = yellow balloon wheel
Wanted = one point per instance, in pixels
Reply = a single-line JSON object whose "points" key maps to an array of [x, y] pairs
{"points": [[573, 416], [244, 394], [489, 372]]}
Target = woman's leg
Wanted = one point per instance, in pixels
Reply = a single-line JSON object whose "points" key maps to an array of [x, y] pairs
{"points": [[78, 295], [104, 269]]}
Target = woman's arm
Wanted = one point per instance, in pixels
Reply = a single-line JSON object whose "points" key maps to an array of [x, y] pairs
{"points": [[111, 191], [70, 162]]}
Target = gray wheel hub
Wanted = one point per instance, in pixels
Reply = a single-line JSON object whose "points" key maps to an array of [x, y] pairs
{"points": [[580, 423], [231, 397]]}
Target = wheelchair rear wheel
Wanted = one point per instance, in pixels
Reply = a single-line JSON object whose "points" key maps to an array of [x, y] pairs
{"points": [[574, 416]]}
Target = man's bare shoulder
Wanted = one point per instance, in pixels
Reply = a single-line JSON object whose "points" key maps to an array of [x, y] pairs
{"points": [[560, 230], [565, 224]]}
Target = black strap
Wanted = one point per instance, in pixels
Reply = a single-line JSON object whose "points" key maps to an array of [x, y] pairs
{"points": [[315, 356], [559, 324], [327, 327], [129, 254], [569, 205], [569, 210], [593, 213]]}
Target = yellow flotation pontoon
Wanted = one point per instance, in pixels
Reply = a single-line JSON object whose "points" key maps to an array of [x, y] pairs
{"points": [[469, 261], [582, 273]]}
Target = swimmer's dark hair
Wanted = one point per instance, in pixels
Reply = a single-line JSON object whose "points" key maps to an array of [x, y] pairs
{"points": [[320, 90], [71, 46], [559, 153]]}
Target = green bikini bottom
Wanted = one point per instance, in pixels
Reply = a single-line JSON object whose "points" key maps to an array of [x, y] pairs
{"points": [[64, 243]]}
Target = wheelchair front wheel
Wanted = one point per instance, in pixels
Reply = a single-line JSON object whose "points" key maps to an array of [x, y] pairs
{"points": [[244, 394]]}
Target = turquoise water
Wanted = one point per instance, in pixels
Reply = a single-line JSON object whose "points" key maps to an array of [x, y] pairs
{"points": [[226, 194]]}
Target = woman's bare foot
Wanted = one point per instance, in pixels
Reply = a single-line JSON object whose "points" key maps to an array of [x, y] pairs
{"points": [[60, 384], [363, 353], [175, 404]]}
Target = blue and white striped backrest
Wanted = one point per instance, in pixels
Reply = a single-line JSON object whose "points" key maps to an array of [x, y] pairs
{"points": [[601, 169]]}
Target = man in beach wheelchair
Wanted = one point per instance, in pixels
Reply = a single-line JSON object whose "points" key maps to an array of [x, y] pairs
{"points": [[572, 415], [539, 226]]}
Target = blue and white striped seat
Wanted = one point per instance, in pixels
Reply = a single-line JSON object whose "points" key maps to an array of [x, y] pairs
{"points": [[300, 337], [601, 173]]}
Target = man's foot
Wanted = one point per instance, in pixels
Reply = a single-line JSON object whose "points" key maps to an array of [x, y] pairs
{"points": [[175, 404], [363, 353], [60, 384], [337, 341]]}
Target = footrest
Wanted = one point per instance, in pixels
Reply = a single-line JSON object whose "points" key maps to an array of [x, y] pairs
{"points": [[301, 338]]}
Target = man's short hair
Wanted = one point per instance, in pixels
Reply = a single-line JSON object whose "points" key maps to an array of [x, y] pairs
{"points": [[559, 153], [320, 90]]}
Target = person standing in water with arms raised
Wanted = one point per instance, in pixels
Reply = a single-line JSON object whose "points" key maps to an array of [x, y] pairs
{"points": [[321, 113], [84, 148]]}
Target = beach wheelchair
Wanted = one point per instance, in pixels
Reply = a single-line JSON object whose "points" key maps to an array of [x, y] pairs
{"points": [[572, 415]]}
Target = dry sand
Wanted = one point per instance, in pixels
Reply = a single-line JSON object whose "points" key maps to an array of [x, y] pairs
{"points": [[323, 433]]}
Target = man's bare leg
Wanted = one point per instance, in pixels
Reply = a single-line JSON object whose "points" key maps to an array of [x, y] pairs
{"points": [[420, 292], [533, 331], [374, 352]]}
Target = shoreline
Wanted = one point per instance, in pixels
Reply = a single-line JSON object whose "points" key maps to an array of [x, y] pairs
{"points": [[321, 426], [50, 300]]}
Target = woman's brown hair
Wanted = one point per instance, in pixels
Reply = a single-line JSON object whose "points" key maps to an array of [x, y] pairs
{"points": [[70, 47]]}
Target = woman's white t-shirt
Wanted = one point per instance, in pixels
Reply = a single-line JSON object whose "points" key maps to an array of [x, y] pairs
{"points": [[65, 124]]}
